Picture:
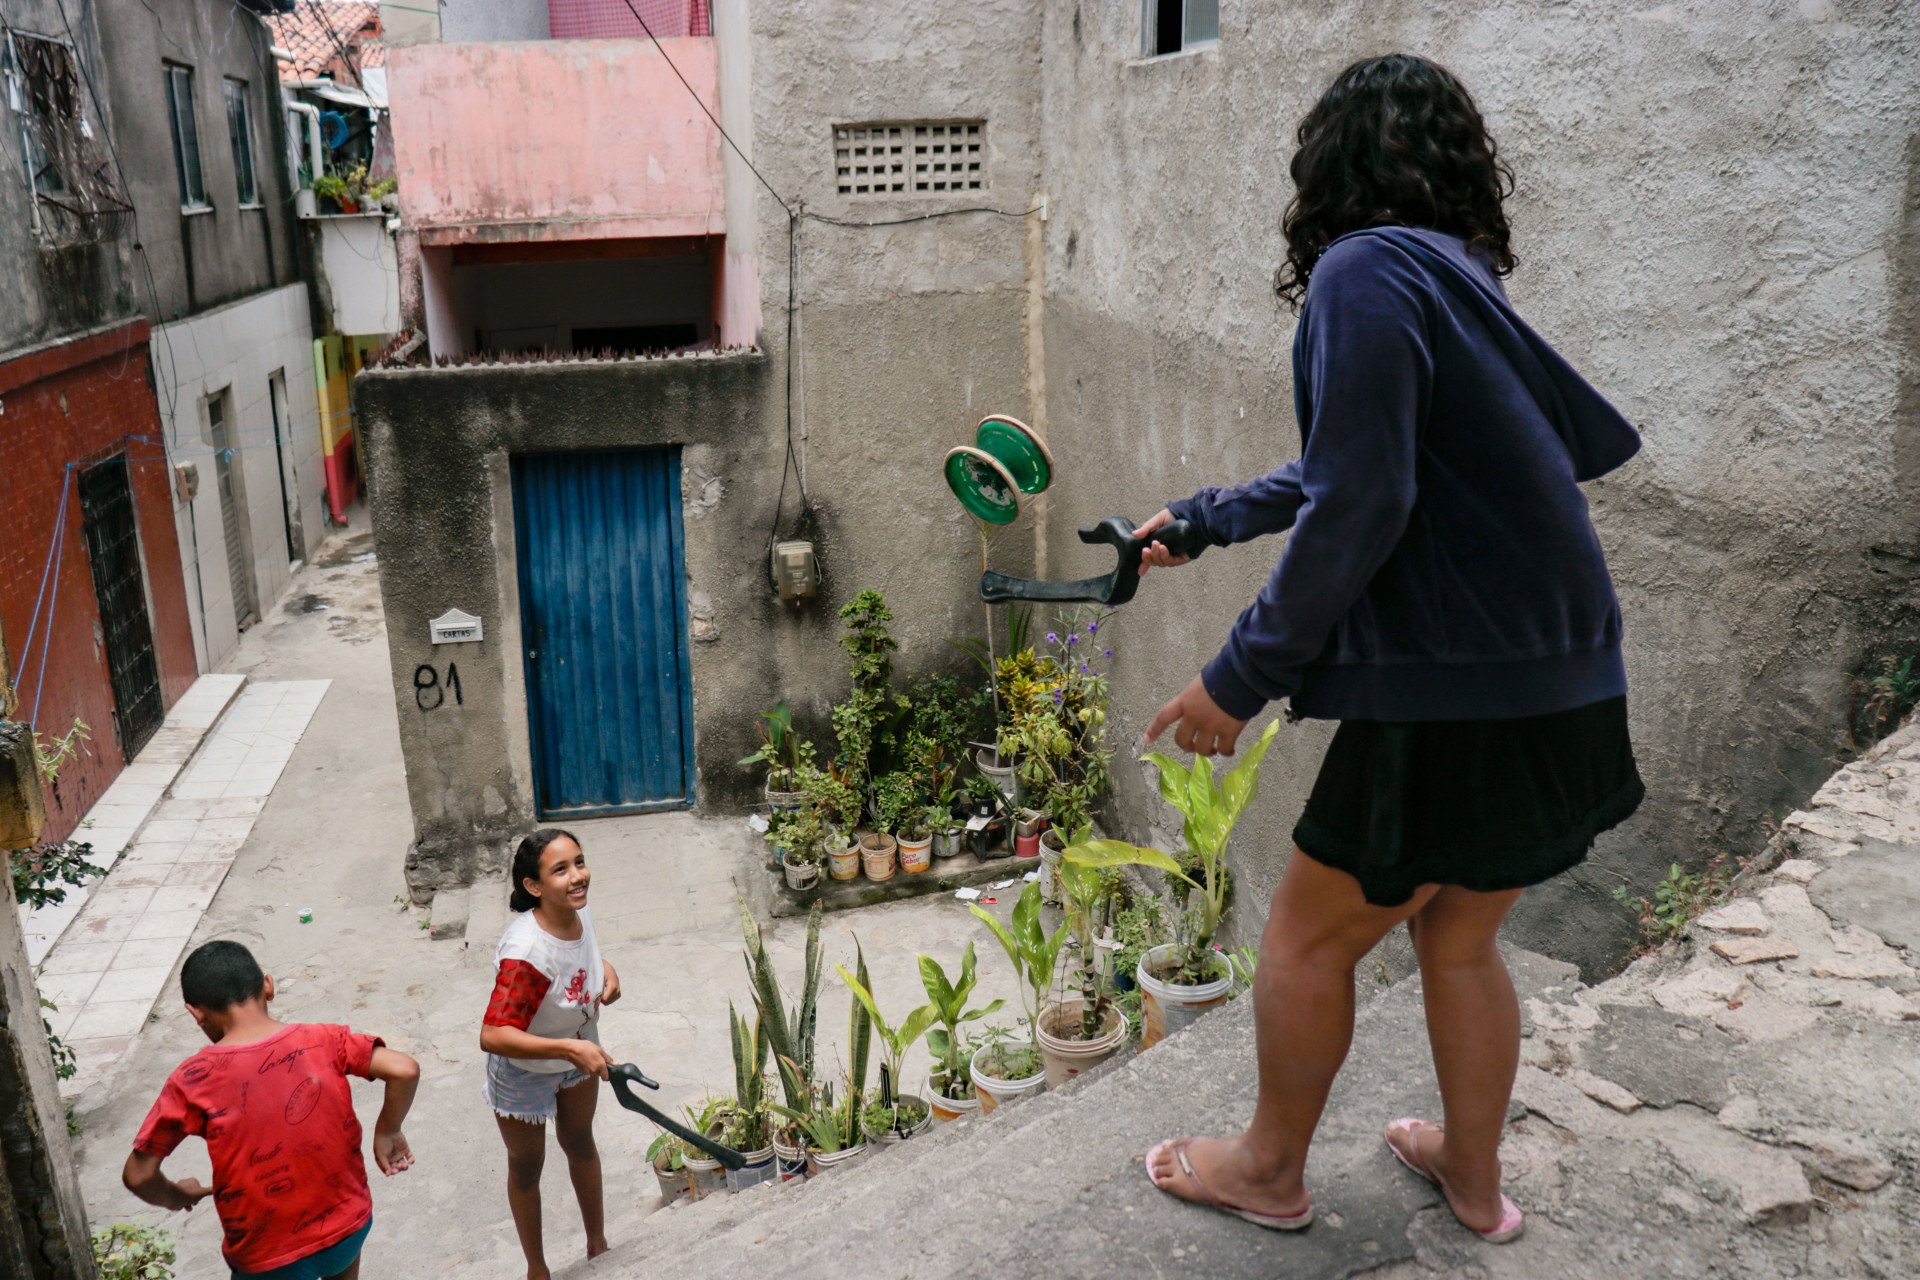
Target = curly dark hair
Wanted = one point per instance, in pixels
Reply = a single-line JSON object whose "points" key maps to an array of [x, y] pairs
{"points": [[1394, 141]]}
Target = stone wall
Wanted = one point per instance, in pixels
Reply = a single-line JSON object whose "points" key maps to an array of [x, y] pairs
{"points": [[1716, 222]]}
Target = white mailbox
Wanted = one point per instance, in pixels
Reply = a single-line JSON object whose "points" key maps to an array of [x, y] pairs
{"points": [[455, 627]]}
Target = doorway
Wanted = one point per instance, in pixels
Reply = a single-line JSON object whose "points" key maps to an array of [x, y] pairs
{"points": [[602, 571], [120, 589], [231, 485], [289, 475]]}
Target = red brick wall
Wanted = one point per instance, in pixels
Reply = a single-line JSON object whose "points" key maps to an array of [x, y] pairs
{"points": [[77, 402]]}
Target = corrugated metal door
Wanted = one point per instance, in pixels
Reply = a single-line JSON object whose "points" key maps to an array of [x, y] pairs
{"points": [[603, 620], [113, 552]]}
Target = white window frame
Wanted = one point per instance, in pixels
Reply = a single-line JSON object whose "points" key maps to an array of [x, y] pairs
{"points": [[1200, 14], [193, 197], [235, 92]]}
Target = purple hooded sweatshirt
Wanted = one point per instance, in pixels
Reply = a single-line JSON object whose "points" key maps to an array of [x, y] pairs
{"points": [[1442, 564]]}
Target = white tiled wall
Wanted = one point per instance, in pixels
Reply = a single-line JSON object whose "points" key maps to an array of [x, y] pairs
{"points": [[238, 348]]}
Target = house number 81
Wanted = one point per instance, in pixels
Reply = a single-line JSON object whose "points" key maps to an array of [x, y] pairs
{"points": [[428, 693]]}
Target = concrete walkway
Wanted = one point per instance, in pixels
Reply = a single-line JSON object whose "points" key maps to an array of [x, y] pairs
{"points": [[332, 835], [1745, 1103]]}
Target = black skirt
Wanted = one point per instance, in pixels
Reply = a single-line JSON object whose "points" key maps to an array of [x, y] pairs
{"points": [[1486, 805]]}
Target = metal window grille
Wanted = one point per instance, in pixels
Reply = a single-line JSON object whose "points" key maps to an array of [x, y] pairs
{"points": [[186, 138], [909, 157], [240, 132], [77, 199]]}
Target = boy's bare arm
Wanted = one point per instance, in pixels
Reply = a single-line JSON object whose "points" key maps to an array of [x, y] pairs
{"points": [[142, 1176], [401, 1075]]}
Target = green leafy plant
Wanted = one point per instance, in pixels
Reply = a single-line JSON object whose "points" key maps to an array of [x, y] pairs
{"points": [[859, 1046], [830, 795], [673, 1148], [827, 1126], [128, 1251], [894, 1041], [789, 1032], [799, 833], [40, 871], [1880, 704], [1033, 952], [858, 721], [1211, 809], [898, 807], [1244, 959], [781, 749], [1679, 897], [948, 1000], [1007, 1059], [1089, 897], [65, 1066], [746, 1123], [50, 754]]}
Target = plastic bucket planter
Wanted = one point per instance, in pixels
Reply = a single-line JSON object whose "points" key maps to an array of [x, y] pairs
{"points": [[1067, 1058], [705, 1177], [1167, 1007], [1000, 775], [789, 1163], [759, 1169], [844, 861], [877, 854], [889, 1137], [819, 1162], [995, 1093], [946, 844], [916, 855], [800, 875], [673, 1182], [784, 800], [946, 1109]]}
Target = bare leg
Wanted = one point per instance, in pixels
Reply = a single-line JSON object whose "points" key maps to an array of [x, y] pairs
{"points": [[1319, 929], [526, 1153], [574, 1128], [1473, 1023]]}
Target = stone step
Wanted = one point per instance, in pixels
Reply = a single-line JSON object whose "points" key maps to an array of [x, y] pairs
{"points": [[1057, 1181]]}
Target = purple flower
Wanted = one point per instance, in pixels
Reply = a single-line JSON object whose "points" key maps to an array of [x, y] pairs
{"points": [[1052, 638], [1092, 627], [1106, 653], [1073, 639], [1059, 694]]}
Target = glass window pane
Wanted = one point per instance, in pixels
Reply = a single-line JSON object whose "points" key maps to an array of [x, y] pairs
{"points": [[1203, 21], [186, 139], [240, 131]]}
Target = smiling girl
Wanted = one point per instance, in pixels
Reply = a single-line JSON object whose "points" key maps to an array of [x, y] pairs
{"points": [[542, 1035]]}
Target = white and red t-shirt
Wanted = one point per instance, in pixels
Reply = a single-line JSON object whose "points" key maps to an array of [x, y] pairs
{"points": [[277, 1116], [547, 986]]}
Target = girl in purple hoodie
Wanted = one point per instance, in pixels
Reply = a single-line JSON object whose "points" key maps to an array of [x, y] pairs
{"points": [[1444, 597]]}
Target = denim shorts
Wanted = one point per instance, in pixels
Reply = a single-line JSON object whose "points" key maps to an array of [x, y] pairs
{"points": [[519, 1094], [330, 1261]]}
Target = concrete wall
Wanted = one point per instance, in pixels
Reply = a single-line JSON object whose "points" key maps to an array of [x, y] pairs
{"points": [[1716, 221], [359, 273], [464, 20], [559, 140], [226, 252], [49, 289], [235, 351]]}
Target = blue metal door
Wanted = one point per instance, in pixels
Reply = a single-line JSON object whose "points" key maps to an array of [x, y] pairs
{"points": [[603, 620]]}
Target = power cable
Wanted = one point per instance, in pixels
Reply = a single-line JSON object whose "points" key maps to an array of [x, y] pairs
{"points": [[53, 600], [46, 571]]}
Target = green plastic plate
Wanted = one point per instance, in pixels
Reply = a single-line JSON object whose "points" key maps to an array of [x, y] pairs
{"points": [[1019, 449], [983, 486]]}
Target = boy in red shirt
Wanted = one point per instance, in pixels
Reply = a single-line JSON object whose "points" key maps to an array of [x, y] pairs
{"points": [[273, 1104]]}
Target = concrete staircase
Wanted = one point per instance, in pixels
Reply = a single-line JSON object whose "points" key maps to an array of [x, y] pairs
{"points": [[1743, 1103]]}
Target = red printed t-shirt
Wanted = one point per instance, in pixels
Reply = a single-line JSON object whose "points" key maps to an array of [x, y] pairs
{"points": [[277, 1117], [547, 986]]}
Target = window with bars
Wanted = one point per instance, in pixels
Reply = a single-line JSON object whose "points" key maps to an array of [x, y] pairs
{"points": [[901, 158], [77, 197], [186, 138], [240, 132]]}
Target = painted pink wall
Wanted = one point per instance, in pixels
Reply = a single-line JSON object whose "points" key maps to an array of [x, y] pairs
{"points": [[555, 140]]}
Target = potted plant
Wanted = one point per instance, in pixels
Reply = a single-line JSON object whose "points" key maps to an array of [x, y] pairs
{"points": [[746, 1126], [950, 1090], [1079, 1032], [799, 836], [858, 721], [984, 823], [705, 1175], [944, 827], [1005, 1069], [837, 806], [1184, 978], [667, 1155], [895, 1115], [831, 1131], [1034, 954], [788, 1031], [899, 811], [784, 754]]}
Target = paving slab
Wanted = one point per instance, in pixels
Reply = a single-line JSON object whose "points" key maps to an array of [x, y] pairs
{"points": [[1880, 891]]}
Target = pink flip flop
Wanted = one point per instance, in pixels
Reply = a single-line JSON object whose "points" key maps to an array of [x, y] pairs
{"points": [[1269, 1221], [1512, 1221]]}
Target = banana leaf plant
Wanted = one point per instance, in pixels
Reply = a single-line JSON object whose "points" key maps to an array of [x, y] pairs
{"points": [[948, 1000], [894, 1041], [1211, 807], [1034, 952]]}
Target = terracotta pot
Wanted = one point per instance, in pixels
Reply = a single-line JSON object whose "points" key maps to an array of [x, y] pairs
{"points": [[878, 855], [915, 855], [1067, 1055], [1167, 1007]]}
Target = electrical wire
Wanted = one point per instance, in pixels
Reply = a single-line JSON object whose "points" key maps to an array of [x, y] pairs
{"points": [[922, 217], [46, 571], [46, 642]]}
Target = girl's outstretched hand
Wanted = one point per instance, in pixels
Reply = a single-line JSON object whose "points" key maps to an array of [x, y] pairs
{"points": [[1203, 728], [1156, 554]]}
